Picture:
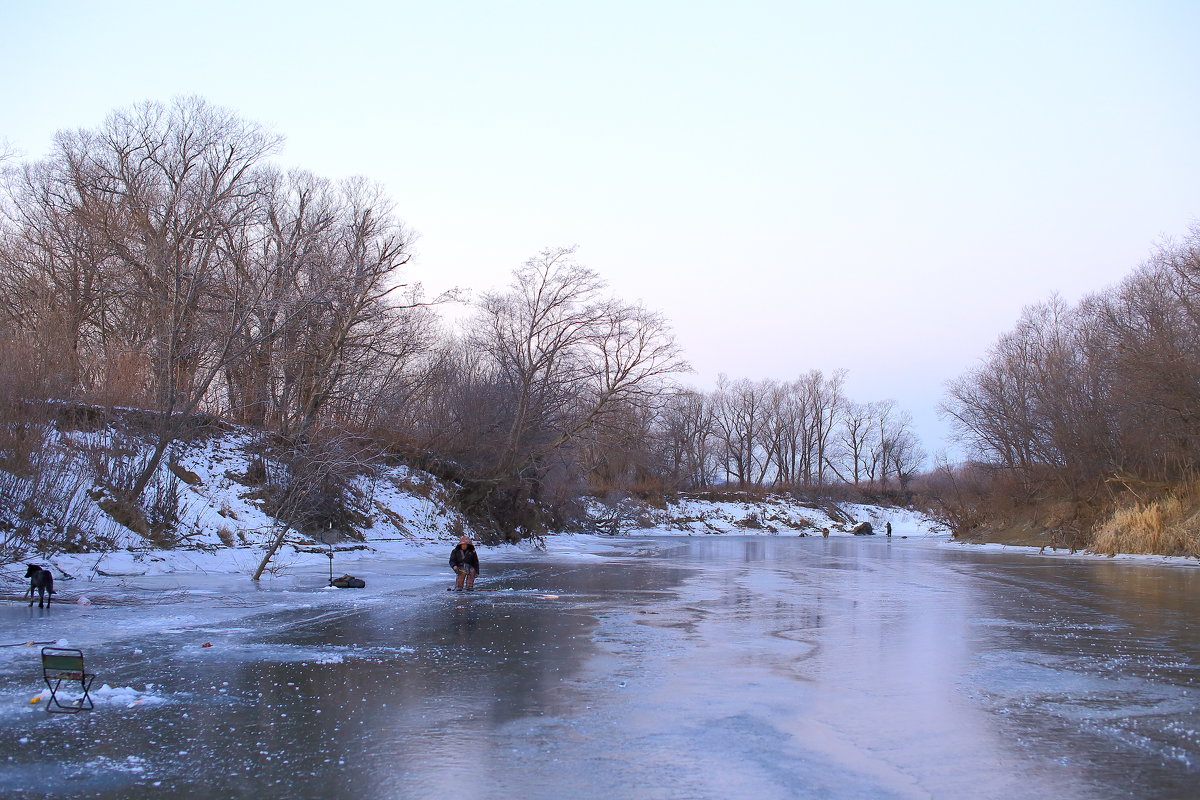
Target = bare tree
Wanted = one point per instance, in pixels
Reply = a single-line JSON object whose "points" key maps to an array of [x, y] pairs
{"points": [[686, 431], [162, 188], [853, 453], [823, 400], [168, 192], [290, 233], [881, 442], [907, 456], [311, 487], [565, 359], [59, 282], [741, 417], [351, 324]]}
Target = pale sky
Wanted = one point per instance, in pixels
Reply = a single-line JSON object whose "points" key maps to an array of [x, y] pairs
{"points": [[875, 186]]}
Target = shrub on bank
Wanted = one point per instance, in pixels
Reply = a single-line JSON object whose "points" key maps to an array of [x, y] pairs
{"points": [[1167, 526]]}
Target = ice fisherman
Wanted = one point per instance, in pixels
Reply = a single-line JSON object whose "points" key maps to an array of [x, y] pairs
{"points": [[465, 563]]}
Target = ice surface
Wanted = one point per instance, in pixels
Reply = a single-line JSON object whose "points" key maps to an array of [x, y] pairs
{"points": [[755, 667]]}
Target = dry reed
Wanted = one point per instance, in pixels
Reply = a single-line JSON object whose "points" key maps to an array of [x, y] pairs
{"points": [[1166, 526]]}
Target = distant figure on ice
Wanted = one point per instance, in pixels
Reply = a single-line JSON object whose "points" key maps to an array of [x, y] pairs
{"points": [[465, 563], [889, 529]]}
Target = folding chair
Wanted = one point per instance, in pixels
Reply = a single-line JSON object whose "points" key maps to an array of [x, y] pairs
{"points": [[66, 664]]}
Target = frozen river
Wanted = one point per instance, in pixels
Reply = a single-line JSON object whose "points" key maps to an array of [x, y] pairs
{"points": [[702, 667]]}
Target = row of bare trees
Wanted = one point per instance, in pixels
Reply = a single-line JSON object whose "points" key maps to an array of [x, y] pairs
{"points": [[162, 261], [1106, 392], [803, 433], [554, 390]]}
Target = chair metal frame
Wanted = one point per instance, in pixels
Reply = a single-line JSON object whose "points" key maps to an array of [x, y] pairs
{"points": [[61, 664]]}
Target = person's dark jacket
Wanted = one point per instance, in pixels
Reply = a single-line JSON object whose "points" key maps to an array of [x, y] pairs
{"points": [[460, 558]]}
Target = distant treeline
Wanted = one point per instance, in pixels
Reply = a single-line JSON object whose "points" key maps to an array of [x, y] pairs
{"points": [[161, 262], [1093, 407]]}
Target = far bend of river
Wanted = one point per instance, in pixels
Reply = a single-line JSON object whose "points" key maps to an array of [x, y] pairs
{"points": [[689, 668]]}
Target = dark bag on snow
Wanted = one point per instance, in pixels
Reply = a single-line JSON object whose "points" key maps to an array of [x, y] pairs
{"points": [[349, 582]]}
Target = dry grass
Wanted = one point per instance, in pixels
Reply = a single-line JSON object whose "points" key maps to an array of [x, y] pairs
{"points": [[1166, 526]]}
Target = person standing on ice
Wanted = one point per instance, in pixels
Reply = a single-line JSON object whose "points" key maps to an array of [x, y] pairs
{"points": [[465, 563]]}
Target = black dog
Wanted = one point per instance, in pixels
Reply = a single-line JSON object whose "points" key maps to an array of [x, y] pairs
{"points": [[40, 581]]}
